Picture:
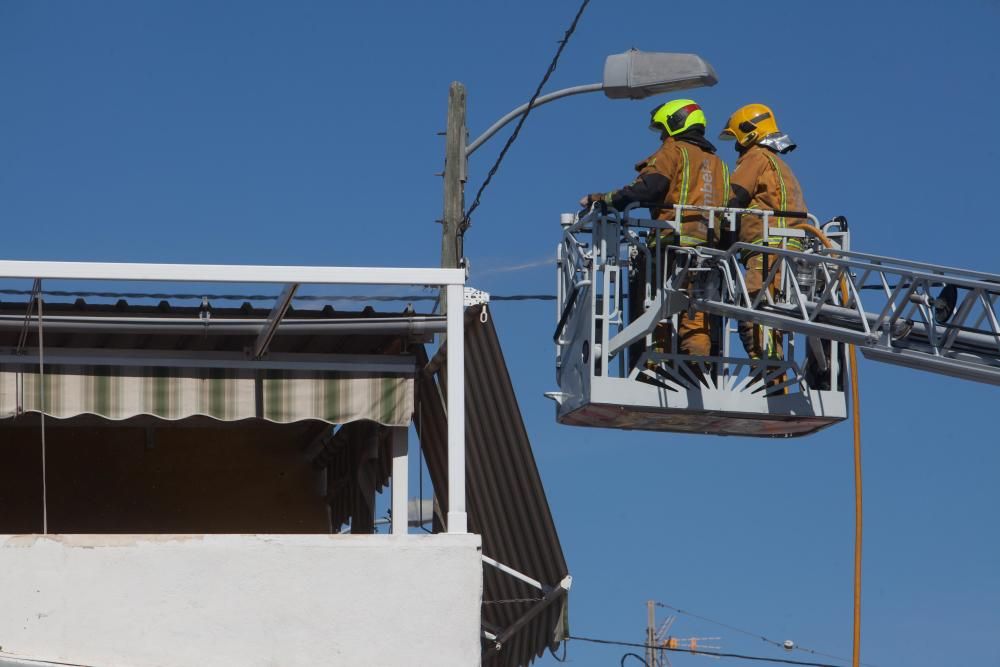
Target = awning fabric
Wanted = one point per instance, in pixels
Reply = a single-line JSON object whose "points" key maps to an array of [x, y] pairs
{"points": [[282, 397]]}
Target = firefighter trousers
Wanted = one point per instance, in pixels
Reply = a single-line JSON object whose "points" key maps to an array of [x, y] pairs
{"points": [[694, 333], [756, 344]]}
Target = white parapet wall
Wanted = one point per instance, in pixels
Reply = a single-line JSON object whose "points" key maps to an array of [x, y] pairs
{"points": [[171, 600]]}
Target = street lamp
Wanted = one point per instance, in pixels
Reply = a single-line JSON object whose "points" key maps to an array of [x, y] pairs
{"points": [[631, 75]]}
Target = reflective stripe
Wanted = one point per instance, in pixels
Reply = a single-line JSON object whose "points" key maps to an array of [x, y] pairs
{"points": [[772, 349], [667, 237], [776, 242], [793, 244], [725, 187], [685, 177], [784, 195]]}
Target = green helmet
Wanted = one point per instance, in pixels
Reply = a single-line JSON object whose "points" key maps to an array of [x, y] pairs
{"points": [[676, 116]]}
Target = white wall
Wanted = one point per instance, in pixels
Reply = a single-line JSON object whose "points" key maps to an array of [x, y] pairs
{"points": [[159, 600]]}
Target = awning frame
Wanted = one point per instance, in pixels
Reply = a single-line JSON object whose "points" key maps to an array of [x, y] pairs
{"points": [[452, 282], [499, 639], [395, 364]]}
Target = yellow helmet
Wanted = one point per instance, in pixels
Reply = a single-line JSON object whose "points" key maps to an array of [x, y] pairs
{"points": [[676, 116], [750, 124]]}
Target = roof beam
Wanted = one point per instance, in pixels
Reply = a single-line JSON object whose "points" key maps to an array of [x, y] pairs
{"points": [[270, 327], [552, 596], [412, 325], [229, 273], [506, 569]]}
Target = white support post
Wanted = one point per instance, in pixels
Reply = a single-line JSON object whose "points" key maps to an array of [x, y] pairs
{"points": [[400, 481], [457, 518]]}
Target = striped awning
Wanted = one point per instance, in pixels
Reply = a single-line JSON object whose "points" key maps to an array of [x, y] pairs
{"points": [[226, 395]]}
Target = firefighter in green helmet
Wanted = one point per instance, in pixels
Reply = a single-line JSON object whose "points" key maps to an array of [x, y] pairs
{"points": [[684, 170]]}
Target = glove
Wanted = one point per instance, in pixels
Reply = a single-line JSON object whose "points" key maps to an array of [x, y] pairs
{"points": [[587, 200]]}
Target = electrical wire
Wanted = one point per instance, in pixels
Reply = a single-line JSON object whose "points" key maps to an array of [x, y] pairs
{"points": [[749, 633], [517, 129], [715, 654], [727, 626], [555, 657]]}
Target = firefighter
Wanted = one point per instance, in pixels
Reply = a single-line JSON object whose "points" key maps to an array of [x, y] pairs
{"points": [[685, 170], [761, 180]]}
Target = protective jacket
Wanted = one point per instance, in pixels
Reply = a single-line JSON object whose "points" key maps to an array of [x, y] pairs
{"points": [[763, 180], [685, 170]]}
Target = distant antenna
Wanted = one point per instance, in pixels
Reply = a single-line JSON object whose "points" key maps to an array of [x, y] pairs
{"points": [[659, 642]]}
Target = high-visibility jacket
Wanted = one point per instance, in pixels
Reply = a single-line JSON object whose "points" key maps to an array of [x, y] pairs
{"points": [[682, 171], [763, 180]]}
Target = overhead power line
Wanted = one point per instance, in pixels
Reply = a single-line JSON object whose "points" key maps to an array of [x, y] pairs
{"points": [[524, 117], [715, 654], [752, 634]]}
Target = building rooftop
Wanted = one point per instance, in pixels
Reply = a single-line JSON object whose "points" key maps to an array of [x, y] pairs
{"points": [[167, 414]]}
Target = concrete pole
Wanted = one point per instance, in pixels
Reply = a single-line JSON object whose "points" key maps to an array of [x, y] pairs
{"points": [[455, 163]]}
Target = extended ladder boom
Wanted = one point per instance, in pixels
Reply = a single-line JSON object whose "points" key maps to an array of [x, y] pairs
{"points": [[925, 316]]}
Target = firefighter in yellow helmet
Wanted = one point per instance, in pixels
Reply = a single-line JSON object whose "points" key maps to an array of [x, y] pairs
{"points": [[761, 180], [684, 170]]}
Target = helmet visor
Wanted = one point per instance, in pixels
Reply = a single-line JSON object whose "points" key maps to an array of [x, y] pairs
{"points": [[654, 125], [727, 135]]}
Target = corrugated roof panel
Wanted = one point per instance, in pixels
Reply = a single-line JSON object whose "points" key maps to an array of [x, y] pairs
{"points": [[288, 339]]}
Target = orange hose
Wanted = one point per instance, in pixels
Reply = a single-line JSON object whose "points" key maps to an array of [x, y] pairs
{"points": [[856, 419]]}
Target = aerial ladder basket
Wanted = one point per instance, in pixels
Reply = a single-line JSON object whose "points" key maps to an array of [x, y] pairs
{"points": [[620, 298]]}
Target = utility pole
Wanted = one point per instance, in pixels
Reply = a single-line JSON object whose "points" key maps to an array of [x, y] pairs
{"points": [[658, 642], [650, 632], [455, 162], [631, 75]]}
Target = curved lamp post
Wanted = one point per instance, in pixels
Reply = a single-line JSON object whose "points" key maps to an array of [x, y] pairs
{"points": [[631, 75]]}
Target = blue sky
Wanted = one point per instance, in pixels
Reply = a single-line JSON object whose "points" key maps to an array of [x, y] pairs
{"points": [[305, 133]]}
